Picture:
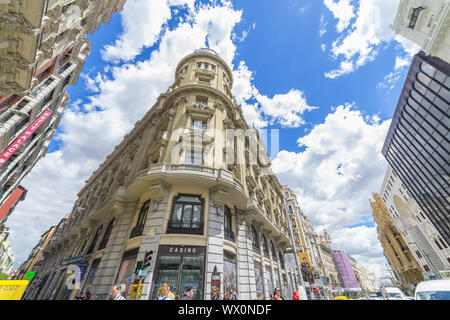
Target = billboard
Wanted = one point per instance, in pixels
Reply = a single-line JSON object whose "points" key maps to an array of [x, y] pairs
{"points": [[5, 155], [9, 203], [303, 258], [12, 289]]}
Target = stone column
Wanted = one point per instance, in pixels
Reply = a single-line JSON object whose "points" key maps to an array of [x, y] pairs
{"points": [[215, 233], [153, 229], [272, 259], [112, 256], [245, 265]]}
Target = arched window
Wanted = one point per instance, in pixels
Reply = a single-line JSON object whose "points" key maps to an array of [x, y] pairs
{"points": [[139, 227], [274, 255], [227, 227], [264, 243], [281, 259], [254, 235], [94, 241], [106, 235]]}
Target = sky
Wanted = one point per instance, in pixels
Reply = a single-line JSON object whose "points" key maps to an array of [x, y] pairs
{"points": [[326, 73]]}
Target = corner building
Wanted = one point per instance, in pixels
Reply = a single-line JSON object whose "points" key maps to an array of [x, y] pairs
{"points": [[184, 187]]}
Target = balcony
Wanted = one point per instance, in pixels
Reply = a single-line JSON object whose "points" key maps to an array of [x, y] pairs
{"points": [[229, 234], [185, 227]]}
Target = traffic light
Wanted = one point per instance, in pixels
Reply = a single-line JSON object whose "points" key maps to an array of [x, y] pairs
{"points": [[148, 258], [138, 267]]}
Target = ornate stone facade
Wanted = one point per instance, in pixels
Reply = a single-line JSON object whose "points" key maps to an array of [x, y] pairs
{"points": [[182, 186]]}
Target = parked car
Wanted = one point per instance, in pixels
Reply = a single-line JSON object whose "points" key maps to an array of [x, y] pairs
{"points": [[433, 290]]}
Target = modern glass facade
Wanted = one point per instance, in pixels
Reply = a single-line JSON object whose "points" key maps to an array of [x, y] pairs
{"points": [[417, 145]]}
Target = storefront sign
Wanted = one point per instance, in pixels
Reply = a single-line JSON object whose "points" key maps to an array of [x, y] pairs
{"points": [[12, 289], [181, 250], [303, 257], [73, 260], [23, 137]]}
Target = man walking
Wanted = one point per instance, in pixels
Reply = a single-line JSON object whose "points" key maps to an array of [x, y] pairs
{"points": [[188, 293], [115, 293]]}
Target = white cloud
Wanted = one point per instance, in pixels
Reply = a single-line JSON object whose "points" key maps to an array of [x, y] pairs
{"points": [[322, 26], [342, 10], [139, 31], [286, 109], [335, 174], [360, 42]]}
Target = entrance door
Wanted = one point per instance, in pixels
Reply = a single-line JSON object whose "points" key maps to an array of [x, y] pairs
{"points": [[180, 266]]}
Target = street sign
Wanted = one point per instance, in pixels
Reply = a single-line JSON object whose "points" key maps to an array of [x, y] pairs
{"points": [[30, 275], [142, 272], [290, 261]]}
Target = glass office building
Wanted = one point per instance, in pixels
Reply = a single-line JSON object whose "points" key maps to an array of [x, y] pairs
{"points": [[417, 145]]}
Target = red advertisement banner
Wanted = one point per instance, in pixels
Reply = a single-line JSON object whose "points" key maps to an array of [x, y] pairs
{"points": [[23, 137]]}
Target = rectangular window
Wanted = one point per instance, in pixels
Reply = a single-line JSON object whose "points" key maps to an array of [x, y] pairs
{"points": [[198, 124], [202, 100], [194, 158], [186, 215]]}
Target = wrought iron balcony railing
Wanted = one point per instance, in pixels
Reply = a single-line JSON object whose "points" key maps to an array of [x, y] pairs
{"points": [[185, 226]]}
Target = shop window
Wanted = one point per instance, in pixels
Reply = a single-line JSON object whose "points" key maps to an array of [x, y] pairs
{"points": [[227, 226], [254, 236], [107, 235], [259, 283], [91, 276], [126, 270], [94, 241], [269, 281], [186, 216], [229, 275], [179, 269], [139, 227]]}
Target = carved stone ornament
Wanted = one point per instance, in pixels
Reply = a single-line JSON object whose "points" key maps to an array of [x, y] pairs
{"points": [[158, 190], [220, 194]]}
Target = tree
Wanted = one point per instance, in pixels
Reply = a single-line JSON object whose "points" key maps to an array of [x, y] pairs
{"points": [[3, 276]]}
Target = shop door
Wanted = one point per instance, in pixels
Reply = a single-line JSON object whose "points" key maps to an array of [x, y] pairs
{"points": [[180, 272]]}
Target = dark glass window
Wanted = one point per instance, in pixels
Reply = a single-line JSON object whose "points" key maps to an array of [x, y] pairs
{"points": [[264, 243], [227, 226], [139, 228], [186, 215], [106, 235], [94, 241], [254, 235]]}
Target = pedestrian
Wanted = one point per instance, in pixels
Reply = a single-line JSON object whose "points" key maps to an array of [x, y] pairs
{"points": [[87, 296], [225, 296], [171, 295], [215, 294], [163, 293], [79, 296], [115, 293], [295, 296], [233, 295], [188, 293], [277, 294]]}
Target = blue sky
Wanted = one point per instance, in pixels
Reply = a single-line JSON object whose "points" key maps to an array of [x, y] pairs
{"points": [[327, 74]]}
